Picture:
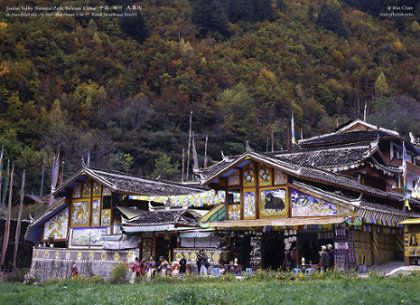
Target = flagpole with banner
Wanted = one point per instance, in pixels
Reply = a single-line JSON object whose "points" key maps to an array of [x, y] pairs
{"points": [[293, 129], [54, 177]]}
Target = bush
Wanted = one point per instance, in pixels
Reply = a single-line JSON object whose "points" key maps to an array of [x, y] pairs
{"points": [[119, 274]]}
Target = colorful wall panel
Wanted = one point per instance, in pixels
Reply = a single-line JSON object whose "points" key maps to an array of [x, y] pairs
{"points": [[87, 237], [279, 177], [249, 204], [96, 212], [249, 174], [57, 226], [106, 217], [234, 211], [234, 179], [306, 205], [80, 213], [264, 175], [274, 203]]}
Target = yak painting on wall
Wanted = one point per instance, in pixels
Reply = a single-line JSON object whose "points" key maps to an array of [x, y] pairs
{"points": [[306, 205], [249, 204], [80, 213], [274, 203], [87, 237], [57, 226]]}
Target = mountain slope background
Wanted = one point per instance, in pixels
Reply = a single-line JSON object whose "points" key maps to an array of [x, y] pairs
{"points": [[123, 88]]}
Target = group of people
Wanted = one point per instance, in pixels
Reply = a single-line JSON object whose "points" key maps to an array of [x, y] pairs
{"points": [[151, 267], [327, 260]]}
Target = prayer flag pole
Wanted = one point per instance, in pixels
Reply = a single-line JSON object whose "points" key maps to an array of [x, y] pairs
{"points": [[7, 225], [293, 129], [18, 225], [189, 146], [205, 152]]}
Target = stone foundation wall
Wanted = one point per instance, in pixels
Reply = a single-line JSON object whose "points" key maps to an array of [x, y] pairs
{"points": [[49, 263]]}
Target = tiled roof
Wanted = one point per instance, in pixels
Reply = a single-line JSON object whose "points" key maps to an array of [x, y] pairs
{"points": [[133, 185], [348, 137]]}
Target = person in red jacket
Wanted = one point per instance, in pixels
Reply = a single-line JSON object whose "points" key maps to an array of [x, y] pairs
{"points": [[73, 270]]}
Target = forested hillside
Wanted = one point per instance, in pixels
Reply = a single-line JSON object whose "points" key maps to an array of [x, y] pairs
{"points": [[123, 88]]}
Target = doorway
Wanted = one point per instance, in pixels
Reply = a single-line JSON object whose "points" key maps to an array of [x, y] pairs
{"points": [[273, 250]]}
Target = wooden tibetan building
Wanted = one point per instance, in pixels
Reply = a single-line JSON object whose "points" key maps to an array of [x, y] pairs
{"points": [[342, 189], [109, 217]]}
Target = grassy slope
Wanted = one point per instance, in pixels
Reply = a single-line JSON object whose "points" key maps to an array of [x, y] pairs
{"points": [[344, 291]]}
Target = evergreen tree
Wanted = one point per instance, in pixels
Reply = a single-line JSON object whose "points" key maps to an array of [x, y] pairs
{"points": [[210, 16], [330, 19]]}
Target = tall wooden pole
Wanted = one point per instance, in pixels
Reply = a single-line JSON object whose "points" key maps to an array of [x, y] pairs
{"points": [[7, 225], [183, 161], [272, 141], [189, 146], [43, 176], [19, 220], [205, 152], [1, 172]]}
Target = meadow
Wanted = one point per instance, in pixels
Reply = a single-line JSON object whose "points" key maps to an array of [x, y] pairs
{"points": [[330, 290]]}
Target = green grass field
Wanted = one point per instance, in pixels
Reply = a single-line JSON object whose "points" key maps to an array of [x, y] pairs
{"points": [[400, 290]]}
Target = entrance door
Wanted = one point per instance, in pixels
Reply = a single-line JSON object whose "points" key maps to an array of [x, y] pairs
{"points": [[273, 250], [162, 247], [309, 245]]}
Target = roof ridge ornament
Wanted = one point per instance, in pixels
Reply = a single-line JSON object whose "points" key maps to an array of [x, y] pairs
{"points": [[247, 147]]}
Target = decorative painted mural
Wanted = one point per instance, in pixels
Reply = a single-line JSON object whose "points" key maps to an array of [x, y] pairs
{"points": [[106, 217], [280, 178], [274, 203], [96, 189], [96, 212], [306, 205], [264, 175], [198, 199], [234, 179], [76, 191], [57, 226], [249, 174], [86, 189], [249, 204], [80, 213], [234, 211], [87, 236]]}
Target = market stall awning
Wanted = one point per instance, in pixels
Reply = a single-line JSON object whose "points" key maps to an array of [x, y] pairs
{"points": [[135, 229], [276, 222], [413, 221]]}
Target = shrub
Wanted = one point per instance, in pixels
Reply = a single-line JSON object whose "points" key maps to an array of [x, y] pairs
{"points": [[119, 274]]}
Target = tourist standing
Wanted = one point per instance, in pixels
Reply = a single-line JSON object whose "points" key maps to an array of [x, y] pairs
{"points": [[73, 270], [202, 262], [324, 258], [150, 268], [182, 265], [292, 258], [137, 267], [331, 260]]}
